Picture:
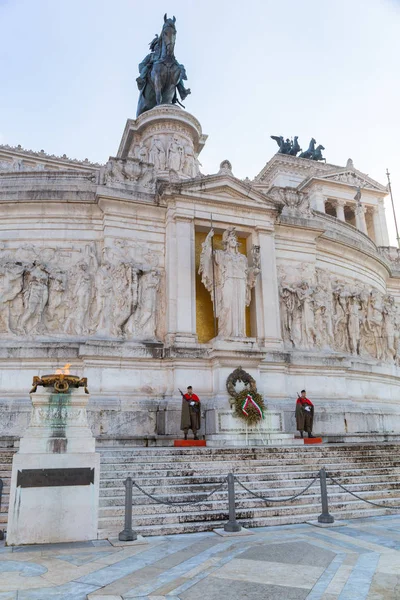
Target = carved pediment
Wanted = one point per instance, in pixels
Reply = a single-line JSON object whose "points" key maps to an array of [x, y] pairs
{"points": [[354, 178], [225, 187]]}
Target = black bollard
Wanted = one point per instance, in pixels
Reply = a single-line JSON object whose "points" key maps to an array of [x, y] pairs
{"points": [[128, 535], [324, 517], [232, 525]]}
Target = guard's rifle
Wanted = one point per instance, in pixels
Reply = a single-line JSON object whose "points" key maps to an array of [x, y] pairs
{"points": [[196, 405]]}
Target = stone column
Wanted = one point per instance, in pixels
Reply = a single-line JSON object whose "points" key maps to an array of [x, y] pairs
{"points": [[266, 294], [180, 273], [376, 219], [360, 219], [340, 204], [383, 224], [317, 198]]}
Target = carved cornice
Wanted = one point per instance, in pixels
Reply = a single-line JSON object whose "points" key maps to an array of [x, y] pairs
{"points": [[20, 152]]}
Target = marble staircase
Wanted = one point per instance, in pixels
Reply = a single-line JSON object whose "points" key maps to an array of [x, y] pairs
{"points": [[371, 471]]}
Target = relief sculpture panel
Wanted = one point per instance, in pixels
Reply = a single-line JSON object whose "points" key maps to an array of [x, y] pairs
{"points": [[113, 292], [326, 313]]}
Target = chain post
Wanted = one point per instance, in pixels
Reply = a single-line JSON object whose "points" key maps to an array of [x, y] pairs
{"points": [[324, 517], [232, 525], [128, 535]]}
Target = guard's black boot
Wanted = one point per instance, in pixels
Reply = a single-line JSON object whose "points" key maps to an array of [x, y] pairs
{"points": [[195, 437], [310, 435], [185, 438], [301, 434]]}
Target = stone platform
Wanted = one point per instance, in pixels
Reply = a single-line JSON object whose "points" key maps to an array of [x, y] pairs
{"points": [[358, 561], [307, 441], [189, 443]]}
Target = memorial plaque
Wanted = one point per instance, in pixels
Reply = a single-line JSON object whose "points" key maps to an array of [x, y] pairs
{"points": [[28, 478]]}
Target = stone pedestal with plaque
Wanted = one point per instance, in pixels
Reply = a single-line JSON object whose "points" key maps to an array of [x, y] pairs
{"points": [[55, 475]]}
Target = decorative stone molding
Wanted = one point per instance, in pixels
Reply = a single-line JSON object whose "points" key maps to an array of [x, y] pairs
{"points": [[166, 138], [296, 204]]}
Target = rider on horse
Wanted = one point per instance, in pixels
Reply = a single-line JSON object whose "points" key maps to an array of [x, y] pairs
{"points": [[146, 66]]}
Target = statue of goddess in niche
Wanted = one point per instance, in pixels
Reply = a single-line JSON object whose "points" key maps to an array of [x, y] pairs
{"points": [[234, 279]]}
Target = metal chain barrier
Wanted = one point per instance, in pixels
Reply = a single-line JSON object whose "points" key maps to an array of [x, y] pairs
{"points": [[276, 499], [232, 525], [359, 497], [179, 503]]}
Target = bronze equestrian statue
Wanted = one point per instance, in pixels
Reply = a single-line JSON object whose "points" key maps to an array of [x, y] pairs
{"points": [[161, 76]]}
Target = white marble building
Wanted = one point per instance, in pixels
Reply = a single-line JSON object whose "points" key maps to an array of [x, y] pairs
{"points": [[99, 267]]}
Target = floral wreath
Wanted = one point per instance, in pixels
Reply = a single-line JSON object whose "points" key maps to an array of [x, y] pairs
{"points": [[248, 404]]}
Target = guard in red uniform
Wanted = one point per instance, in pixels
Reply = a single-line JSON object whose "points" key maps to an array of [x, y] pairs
{"points": [[190, 418], [304, 414]]}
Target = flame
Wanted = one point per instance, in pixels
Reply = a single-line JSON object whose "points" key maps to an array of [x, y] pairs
{"points": [[64, 370]]}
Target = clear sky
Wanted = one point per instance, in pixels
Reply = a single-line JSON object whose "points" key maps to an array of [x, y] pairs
{"points": [[327, 69]]}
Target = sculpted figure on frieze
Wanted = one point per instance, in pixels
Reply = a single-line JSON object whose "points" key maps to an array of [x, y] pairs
{"points": [[175, 155], [353, 323], [81, 294], [157, 154], [143, 321], [342, 316], [390, 331], [11, 284], [35, 294], [57, 307], [297, 304], [229, 271]]}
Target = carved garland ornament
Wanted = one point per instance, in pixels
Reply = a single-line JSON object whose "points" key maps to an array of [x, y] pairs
{"points": [[248, 404]]}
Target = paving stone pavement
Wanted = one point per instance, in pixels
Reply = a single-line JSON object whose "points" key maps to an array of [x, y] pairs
{"points": [[357, 561]]}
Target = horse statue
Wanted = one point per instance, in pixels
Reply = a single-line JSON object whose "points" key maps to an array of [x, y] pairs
{"points": [[318, 153], [295, 149], [160, 73], [309, 153], [313, 153]]}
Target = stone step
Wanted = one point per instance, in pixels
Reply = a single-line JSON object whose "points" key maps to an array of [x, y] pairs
{"points": [[193, 462], [267, 487], [171, 529], [111, 463], [287, 474], [134, 471], [261, 454], [246, 502], [300, 481], [248, 513], [175, 495]]}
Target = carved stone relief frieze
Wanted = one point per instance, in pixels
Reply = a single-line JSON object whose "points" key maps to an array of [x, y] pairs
{"points": [[330, 314], [81, 292]]}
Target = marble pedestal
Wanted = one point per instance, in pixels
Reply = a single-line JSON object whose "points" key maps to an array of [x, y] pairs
{"points": [[224, 429], [55, 475]]}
